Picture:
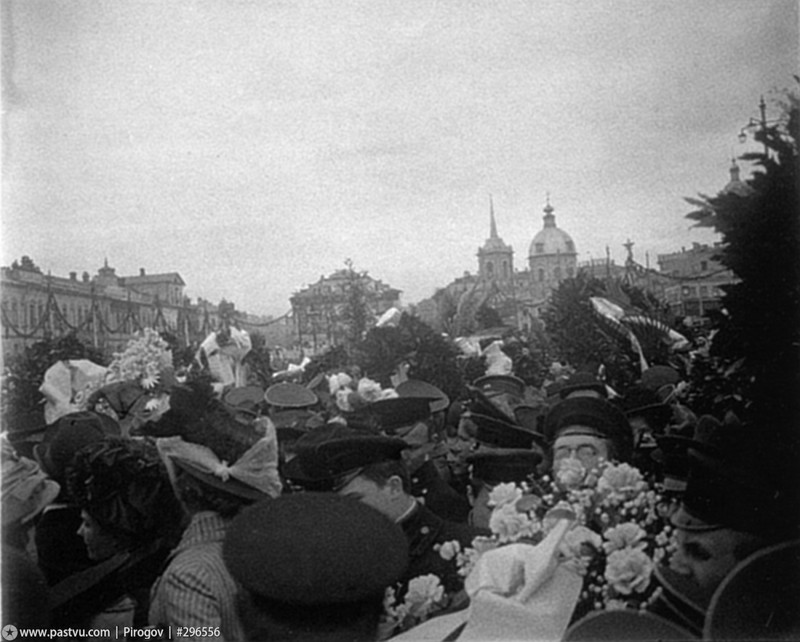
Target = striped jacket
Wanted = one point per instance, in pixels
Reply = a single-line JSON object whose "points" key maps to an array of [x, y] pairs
{"points": [[196, 589]]}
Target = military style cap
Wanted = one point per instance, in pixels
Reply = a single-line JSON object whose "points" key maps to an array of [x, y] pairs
{"points": [[758, 599], [582, 381], [504, 466], [68, 435], [314, 549], [246, 398], [480, 404], [326, 455], [730, 485], [416, 388], [598, 415], [500, 384], [502, 434], [398, 412], [642, 402], [625, 624], [290, 395]]}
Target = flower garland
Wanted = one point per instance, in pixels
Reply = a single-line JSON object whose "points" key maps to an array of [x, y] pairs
{"points": [[617, 540]]}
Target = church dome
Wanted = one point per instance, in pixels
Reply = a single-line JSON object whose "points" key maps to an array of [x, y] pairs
{"points": [[551, 239]]}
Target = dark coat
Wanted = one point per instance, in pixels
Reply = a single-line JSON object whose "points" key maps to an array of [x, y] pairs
{"points": [[424, 530], [428, 485]]}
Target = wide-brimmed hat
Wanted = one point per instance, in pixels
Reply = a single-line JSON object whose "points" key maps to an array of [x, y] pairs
{"points": [[599, 415], [439, 401], [326, 455], [313, 549], [642, 402], [504, 466]]}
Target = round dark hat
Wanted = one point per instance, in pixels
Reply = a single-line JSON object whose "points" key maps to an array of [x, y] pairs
{"points": [[502, 434], [68, 435], [597, 414], [417, 388], [313, 549], [758, 600], [500, 384], [325, 455], [504, 466], [582, 381], [642, 402], [290, 395], [625, 624], [398, 412]]}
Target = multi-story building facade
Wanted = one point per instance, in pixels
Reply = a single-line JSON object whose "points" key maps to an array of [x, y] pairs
{"points": [[105, 310], [318, 309]]}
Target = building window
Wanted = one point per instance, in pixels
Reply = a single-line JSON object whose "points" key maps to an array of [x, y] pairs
{"points": [[505, 269], [703, 266], [541, 276], [557, 273], [570, 246], [490, 268], [570, 272], [540, 248]]}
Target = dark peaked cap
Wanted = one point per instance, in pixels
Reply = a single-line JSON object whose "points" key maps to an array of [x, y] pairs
{"points": [[598, 414], [398, 412], [497, 467], [315, 548], [326, 454]]}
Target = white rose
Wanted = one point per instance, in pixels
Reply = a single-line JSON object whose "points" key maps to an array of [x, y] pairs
{"points": [[579, 542], [509, 524], [627, 535], [424, 592], [369, 390], [622, 478], [628, 571], [343, 400], [504, 494], [570, 473]]}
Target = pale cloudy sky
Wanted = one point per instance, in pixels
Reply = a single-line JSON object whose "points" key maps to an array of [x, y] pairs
{"points": [[253, 146]]}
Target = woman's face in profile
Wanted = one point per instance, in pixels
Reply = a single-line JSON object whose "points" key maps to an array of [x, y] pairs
{"points": [[100, 544]]}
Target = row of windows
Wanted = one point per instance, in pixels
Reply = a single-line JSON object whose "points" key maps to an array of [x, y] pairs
{"points": [[26, 316], [557, 273]]}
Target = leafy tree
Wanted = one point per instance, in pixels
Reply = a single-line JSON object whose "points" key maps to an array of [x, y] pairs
{"points": [[429, 356], [26, 263], [755, 354], [355, 314]]}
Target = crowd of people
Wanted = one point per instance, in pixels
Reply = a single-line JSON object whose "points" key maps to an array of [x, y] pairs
{"points": [[311, 510]]}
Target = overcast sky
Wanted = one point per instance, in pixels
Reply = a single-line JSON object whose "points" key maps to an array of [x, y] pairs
{"points": [[254, 146]]}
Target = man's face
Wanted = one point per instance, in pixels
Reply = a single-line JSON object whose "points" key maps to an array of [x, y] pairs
{"points": [[383, 498], [706, 557], [588, 449]]}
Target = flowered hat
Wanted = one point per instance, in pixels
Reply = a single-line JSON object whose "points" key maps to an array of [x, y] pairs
{"points": [[124, 486], [312, 549], [26, 489], [68, 435], [597, 416], [327, 455], [199, 435]]}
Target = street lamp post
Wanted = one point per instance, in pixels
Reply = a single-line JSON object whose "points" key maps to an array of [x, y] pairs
{"points": [[758, 125]]}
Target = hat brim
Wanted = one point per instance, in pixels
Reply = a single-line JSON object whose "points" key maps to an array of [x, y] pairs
{"points": [[685, 521], [232, 486]]}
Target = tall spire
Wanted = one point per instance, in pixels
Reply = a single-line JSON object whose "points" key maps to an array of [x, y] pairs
{"points": [[492, 224], [549, 218]]}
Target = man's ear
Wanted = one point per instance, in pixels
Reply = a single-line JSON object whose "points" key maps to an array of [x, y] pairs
{"points": [[395, 484]]}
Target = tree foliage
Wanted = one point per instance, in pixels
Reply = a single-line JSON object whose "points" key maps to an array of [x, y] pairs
{"points": [[755, 353]]}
